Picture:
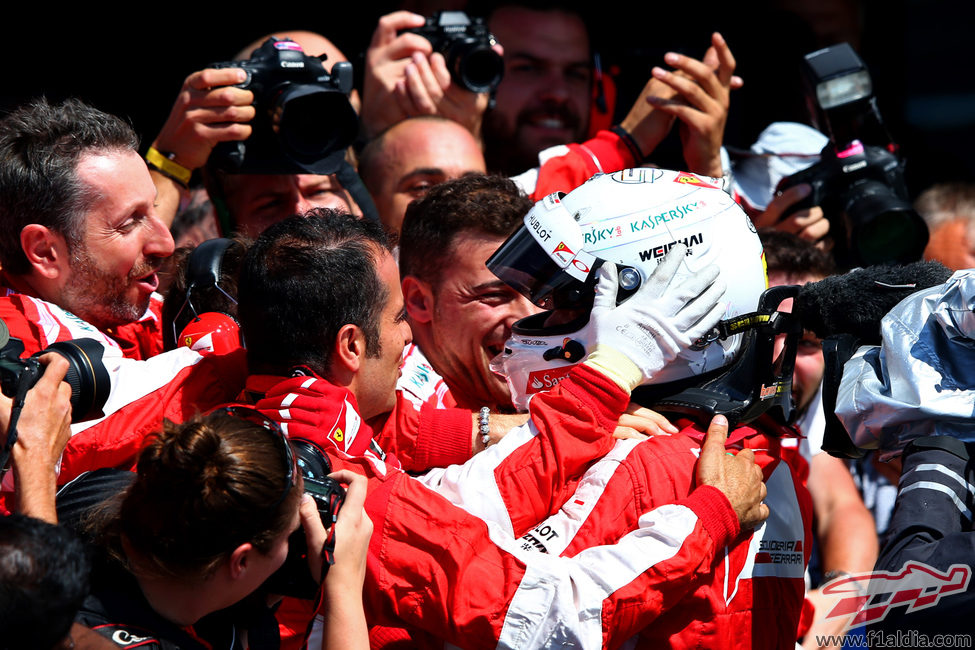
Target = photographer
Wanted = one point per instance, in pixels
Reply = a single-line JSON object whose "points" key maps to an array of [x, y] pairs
{"points": [[258, 172], [43, 430], [545, 84], [184, 549], [782, 149]]}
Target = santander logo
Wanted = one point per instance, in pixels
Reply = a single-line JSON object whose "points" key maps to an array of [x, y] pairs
{"points": [[542, 380]]}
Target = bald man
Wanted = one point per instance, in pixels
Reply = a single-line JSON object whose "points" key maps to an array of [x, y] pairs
{"points": [[412, 156], [313, 44]]}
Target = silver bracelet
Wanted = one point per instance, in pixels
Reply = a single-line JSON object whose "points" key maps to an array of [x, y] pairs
{"points": [[483, 425]]}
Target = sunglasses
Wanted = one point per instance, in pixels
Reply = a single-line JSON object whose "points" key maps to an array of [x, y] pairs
{"points": [[256, 417]]}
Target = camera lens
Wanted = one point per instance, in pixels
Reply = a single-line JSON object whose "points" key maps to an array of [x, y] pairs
{"points": [[311, 120], [478, 68], [883, 227], [87, 376]]}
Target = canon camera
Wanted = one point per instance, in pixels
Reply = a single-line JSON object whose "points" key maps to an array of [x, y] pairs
{"points": [[859, 180], [304, 120], [87, 376]]}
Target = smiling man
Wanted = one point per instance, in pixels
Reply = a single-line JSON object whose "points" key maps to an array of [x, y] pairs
{"points": [[461, 315], [80, 229], [543, 99], [79, 249]]}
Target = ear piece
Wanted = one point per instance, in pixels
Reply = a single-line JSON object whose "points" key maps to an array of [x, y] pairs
{"points": [[209, 332]]}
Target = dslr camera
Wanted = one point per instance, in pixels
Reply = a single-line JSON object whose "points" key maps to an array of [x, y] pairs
{"points": [[293, 578], [465, 44], [87, 376], [859, 180], [304, 121]]}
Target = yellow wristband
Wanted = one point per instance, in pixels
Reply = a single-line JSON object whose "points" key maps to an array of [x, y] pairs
{"points": [[169, 168]]}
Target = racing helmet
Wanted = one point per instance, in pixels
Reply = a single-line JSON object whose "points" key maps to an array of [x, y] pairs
{"points": [[630, 218]]}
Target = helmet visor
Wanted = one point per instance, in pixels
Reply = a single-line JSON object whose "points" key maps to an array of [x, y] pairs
{"points": [[521, 263]]}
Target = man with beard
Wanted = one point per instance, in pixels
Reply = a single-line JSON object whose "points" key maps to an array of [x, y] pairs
{"points": [[79, 251], [81, 231], [543, 99]]}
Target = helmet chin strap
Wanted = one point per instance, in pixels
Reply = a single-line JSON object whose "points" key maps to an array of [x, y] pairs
{"points": [[755, 383]]}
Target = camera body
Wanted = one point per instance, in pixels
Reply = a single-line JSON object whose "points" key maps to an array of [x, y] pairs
{"points": [[87, 375], [293, 578], [859, 181], [466, 45], [304, 121], [863, 194]]}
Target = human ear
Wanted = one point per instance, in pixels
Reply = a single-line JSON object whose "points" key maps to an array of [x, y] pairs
{"points": [[45, 249], [238, 561], [418, 297], [349, 350]]}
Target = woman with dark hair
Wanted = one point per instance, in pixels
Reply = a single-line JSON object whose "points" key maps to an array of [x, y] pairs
{"points": [[186, 548]]}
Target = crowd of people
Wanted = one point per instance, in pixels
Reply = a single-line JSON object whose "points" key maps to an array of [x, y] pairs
{"points": [[426, 367]]}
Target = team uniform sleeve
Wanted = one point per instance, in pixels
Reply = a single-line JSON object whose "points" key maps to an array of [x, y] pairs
{"points": [[529, 473], [175, 385], [423, 436], [467, 581], [604, 153]]}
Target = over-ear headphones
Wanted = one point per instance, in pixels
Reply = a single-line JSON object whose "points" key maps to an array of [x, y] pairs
{"points": [[210, 331]]}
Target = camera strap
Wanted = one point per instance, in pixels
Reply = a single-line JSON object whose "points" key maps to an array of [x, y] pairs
{"points": [[353, 184], [28, 378]]}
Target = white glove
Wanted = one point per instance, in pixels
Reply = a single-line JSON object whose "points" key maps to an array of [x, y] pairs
{"points": [[661, 320]]}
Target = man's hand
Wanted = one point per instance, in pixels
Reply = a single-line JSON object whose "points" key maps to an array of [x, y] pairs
{"points": [[810, 224], [43, 430], [500, 424], [209, 109], [663, 318], [737, 476], [704, 88], [645, 124], [405, 78], [640, 423], [300, 403]]}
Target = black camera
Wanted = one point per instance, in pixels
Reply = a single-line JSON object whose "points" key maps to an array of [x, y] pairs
{"points": [[466, 44], [859, 180], [304, 120], [293, 578], [87, 376]]}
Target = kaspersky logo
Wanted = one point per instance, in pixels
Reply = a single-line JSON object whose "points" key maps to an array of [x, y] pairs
{"points": [[542, 380], [868, 597]]}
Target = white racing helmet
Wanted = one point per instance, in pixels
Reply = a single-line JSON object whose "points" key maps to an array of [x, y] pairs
{"points": [[631, 218]]}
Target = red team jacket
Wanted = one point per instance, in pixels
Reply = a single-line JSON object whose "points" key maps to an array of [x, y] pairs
{"points": [[481, 555]]}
